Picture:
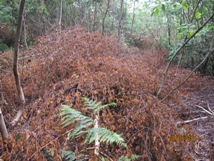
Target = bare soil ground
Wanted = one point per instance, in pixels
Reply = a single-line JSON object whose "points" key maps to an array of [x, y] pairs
{"points": [[200, 113]]}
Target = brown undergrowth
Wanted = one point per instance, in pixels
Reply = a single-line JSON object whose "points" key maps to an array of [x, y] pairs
{"points": [[64, 67]]}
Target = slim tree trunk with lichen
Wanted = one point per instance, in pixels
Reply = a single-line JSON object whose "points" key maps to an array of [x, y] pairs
{"points": [[15, 65]]}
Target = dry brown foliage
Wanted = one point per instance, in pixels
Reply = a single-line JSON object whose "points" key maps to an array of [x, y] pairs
{"points": [[64, 67]]}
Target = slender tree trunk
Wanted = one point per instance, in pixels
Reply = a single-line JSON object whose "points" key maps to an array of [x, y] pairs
{"points": [[169, 30], [120, 20], [60, 17], [25, 32], [95, 17], [15, 65], [104, 17], [133, 18], [44, 20], [3, 129]]}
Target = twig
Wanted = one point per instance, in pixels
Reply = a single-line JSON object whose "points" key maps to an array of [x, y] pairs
{"points": [[208, 106], [189, 121], [105, 155], [210, 112]]}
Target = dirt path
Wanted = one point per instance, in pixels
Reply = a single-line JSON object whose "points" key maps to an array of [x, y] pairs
{"points": [[204, 128]]}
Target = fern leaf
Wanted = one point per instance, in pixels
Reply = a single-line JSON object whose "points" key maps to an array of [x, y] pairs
{"points": [[80, 129], [96, 106], [133, 157], [101, 108], [105, 136], [70, 115], [91, 104]]}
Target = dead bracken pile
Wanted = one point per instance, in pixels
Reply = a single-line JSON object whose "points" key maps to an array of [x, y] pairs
{"points": [[64, 67]]}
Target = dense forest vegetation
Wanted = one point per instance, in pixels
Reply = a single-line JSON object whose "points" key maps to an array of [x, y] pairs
{"points": [[107, 80]]}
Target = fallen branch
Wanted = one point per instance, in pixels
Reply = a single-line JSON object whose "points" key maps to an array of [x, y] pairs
{"points": [[192, 120], [209, 111], [208, 106]]}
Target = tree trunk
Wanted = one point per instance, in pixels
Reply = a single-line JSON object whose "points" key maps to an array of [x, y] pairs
{"points": [[104, 17], [169, 30], [25, 32], [120, 20], [3, 129], [133, 18], [15, 65], [95, 17], [60, 17]]}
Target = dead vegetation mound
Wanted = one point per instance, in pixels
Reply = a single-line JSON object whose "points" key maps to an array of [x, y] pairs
{"points": [[64, 67]]}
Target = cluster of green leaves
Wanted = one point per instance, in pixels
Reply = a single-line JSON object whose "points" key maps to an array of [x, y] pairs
{"points": [[6, 11], [72, 156], [3, 47], [181, 19]]}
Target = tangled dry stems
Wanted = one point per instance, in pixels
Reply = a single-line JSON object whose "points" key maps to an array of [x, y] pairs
{"points": [[64, 67]]}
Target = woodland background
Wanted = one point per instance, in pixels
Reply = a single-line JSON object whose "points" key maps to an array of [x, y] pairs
{"points": [[110, 51]]}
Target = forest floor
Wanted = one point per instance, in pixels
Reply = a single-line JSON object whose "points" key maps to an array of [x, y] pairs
{"points": [[201, 105], [66, 66]]}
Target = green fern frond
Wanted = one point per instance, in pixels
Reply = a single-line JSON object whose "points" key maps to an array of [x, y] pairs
{"points": [[84, 124], [91, 104], [70, 116], [104, 136], [133, 157], [103, 107], [96, 106], [80, 129], [72, 156]]}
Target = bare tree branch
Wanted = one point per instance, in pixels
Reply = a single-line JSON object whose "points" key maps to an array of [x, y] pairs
{"points": [[167, 68], [208, 53]]}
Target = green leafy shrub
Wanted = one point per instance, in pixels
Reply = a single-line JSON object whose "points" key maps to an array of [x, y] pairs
{"points": [[3, 47]]}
